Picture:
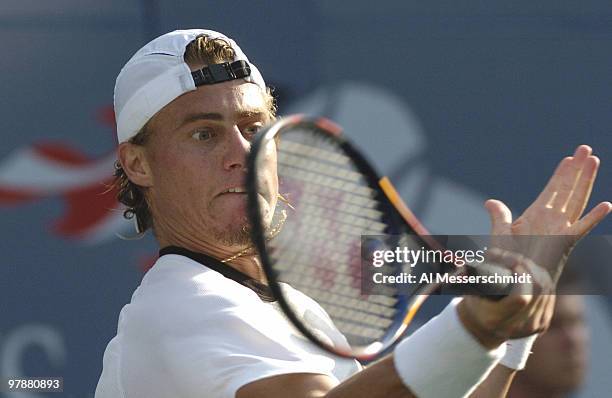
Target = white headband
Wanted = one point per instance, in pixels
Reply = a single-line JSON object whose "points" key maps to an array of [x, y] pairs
{"points": [[157, 74]]}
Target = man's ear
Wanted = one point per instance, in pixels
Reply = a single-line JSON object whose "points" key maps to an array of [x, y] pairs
{"points": [[134, 163]]}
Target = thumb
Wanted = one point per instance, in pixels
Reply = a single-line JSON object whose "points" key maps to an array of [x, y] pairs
{"points": [[500, 215]]}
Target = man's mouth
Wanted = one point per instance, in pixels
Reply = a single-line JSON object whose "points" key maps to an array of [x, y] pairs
{"points": [[234, 190], [241, 191]]}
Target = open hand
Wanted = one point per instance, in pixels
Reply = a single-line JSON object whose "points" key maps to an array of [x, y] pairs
{"points": [[557, 212], [543, 236]]}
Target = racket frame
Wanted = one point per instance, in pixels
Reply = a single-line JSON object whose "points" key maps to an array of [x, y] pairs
{"points": [[390, 199]]}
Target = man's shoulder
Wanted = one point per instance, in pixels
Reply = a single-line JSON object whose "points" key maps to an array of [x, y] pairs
{"points": [[172, 271], [180, 290]]}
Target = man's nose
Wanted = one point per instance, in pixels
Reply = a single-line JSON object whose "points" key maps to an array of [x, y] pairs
{"points": [[237, 150]]}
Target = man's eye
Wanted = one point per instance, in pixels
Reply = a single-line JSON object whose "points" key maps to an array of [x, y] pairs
{"points": [[251, 130], [203, 135]]}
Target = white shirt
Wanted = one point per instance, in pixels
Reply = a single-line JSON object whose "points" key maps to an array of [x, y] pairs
{"points": [[191, 332]]}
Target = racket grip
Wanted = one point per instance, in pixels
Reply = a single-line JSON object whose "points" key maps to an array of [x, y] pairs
{"points": [[496, 287], [492, 291]]}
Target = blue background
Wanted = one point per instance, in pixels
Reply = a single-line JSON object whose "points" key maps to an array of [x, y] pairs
{"points": [[456, 101]]}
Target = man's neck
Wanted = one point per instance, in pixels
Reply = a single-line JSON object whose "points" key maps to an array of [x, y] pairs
{"points": [[241, 258]]}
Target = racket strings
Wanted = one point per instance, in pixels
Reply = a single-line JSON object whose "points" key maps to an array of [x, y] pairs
{"points": [[358, 206], [323, 166], [327, 181], [318, 250], [319, 148]]}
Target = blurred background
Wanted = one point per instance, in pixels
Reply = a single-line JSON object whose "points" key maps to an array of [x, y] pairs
{"points": [[455, 101]]}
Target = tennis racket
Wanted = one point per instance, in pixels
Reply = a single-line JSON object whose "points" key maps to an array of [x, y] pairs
{"points": [[313, 240]]}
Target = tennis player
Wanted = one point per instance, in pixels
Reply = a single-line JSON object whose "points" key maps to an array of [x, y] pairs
{"points": [[202, 323]]}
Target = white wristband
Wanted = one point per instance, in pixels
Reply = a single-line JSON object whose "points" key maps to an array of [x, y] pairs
{"points": [[442, 359], [518, 352]]}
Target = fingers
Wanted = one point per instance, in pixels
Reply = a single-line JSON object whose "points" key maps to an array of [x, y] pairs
{"points": [[570, 187], [536, 317], [500, 215], [594, 217], [549, 192], [528, 309], [579, 198], [560, 186], [547, 312], [512, 315], [528, 314], [531, 318], [569, 176]]}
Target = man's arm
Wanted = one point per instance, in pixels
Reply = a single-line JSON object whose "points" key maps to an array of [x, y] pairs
{"points": [[497, 384], [558, 212], [447, 357], [432, 359], [377, 380]]}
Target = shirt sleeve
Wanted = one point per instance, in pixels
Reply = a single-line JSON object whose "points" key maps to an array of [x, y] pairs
{"points": [[217, 346]]}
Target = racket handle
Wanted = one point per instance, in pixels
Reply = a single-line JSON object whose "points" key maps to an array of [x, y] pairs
{"points": [[492, 291], [496, 290]]}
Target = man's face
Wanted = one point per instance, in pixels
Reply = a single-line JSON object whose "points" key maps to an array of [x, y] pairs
{"points": [[197, 154]]}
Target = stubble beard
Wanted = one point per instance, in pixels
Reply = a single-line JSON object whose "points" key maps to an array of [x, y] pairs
{"points": [[235, 235], [239, 233]]}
